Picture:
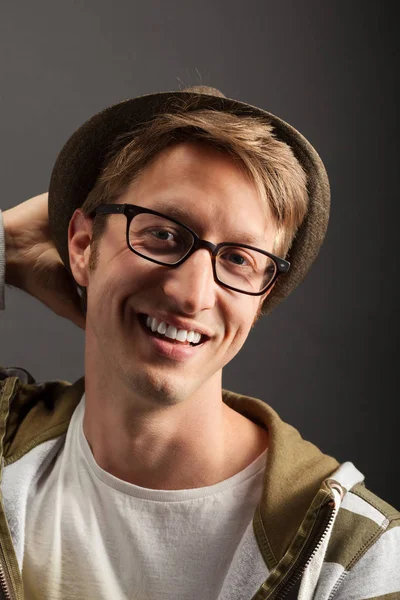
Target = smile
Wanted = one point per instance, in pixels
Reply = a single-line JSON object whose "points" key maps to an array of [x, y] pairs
{"points": [[165, 330]]}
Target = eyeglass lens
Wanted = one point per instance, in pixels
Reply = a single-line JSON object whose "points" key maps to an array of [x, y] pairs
{"points": [[162, 240]]}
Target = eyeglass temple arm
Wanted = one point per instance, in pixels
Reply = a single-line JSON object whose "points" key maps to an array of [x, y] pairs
{"points": [[108, 209]]}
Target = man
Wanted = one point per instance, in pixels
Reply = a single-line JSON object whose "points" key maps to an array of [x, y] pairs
{"points": [[174, 214]]}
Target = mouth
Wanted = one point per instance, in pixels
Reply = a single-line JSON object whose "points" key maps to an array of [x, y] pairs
{"points": [[170, 333]]}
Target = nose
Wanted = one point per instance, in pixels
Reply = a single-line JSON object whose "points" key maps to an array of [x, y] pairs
{"points": [[191, 286]]}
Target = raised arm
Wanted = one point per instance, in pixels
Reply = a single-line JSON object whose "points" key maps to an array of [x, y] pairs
{"points": [[32, 262]]}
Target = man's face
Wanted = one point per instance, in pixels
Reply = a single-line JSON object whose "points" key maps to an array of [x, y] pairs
{"points": [[215, 199]]}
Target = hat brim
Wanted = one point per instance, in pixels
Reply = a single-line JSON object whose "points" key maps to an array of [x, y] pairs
{"points": [[82, 158]]}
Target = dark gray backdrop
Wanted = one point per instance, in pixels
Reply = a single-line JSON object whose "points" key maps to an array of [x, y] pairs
{"points": [[327, 359]]}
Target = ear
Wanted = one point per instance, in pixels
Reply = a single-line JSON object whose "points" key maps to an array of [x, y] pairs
{"points": [[79, 238]]}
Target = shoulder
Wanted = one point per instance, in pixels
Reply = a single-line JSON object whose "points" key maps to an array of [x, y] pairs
{"points": [[17, 372], [19, 388], [365, 545], [31, 412], [362, 519]]}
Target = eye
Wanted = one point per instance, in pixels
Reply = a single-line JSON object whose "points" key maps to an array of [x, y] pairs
{"points": [[162, 234], [236, 258]]}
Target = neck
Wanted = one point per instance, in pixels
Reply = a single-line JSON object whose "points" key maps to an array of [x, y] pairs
{"points": [[192, 443]]}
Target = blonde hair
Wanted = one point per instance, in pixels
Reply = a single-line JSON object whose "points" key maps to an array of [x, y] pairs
{"points": [[270, 163]]}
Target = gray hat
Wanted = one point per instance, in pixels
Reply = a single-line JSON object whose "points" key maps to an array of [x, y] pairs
{"points": [[83, 156]]}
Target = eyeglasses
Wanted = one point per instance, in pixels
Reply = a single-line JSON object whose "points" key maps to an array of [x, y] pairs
{"points": [[165, 241]]}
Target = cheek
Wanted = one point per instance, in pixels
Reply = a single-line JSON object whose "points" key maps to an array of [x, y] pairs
{"points": [[100, 293], [240, 321], [124, 276], [106, 282]]}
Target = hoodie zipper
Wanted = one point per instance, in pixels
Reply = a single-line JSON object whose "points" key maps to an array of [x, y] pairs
{"points": [[308, 552], [4, 582], [6, 589]]}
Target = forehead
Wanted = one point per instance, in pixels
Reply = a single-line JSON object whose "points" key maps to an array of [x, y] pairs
{"points": [[208, 190]]}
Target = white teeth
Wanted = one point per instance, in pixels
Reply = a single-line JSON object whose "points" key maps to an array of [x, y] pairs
{"points": [[181, 335], [196, 338], [162, 328], [171, 332]]}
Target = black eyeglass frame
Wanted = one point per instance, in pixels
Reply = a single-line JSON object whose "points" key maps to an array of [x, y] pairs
{"points": [[131, 211]]}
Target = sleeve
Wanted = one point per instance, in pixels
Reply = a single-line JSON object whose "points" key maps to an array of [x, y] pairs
{"points": [[2, 263], [377, 573]]}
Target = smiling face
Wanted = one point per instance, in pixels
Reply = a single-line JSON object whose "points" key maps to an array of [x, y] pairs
{"points": [[209, 192]]}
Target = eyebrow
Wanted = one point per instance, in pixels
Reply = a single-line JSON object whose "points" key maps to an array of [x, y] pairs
{"points": [[182, 214]]}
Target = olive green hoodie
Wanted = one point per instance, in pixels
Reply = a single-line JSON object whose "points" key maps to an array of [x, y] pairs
{"points": [[318, 531]]}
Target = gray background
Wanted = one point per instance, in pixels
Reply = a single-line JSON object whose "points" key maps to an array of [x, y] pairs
{"points": [[327, 359]]}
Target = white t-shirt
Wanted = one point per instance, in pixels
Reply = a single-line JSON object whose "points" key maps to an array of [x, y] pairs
{"points": [[90, 535]]}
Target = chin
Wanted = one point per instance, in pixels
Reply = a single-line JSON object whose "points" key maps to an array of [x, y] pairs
{"points": [[159, 389]]}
